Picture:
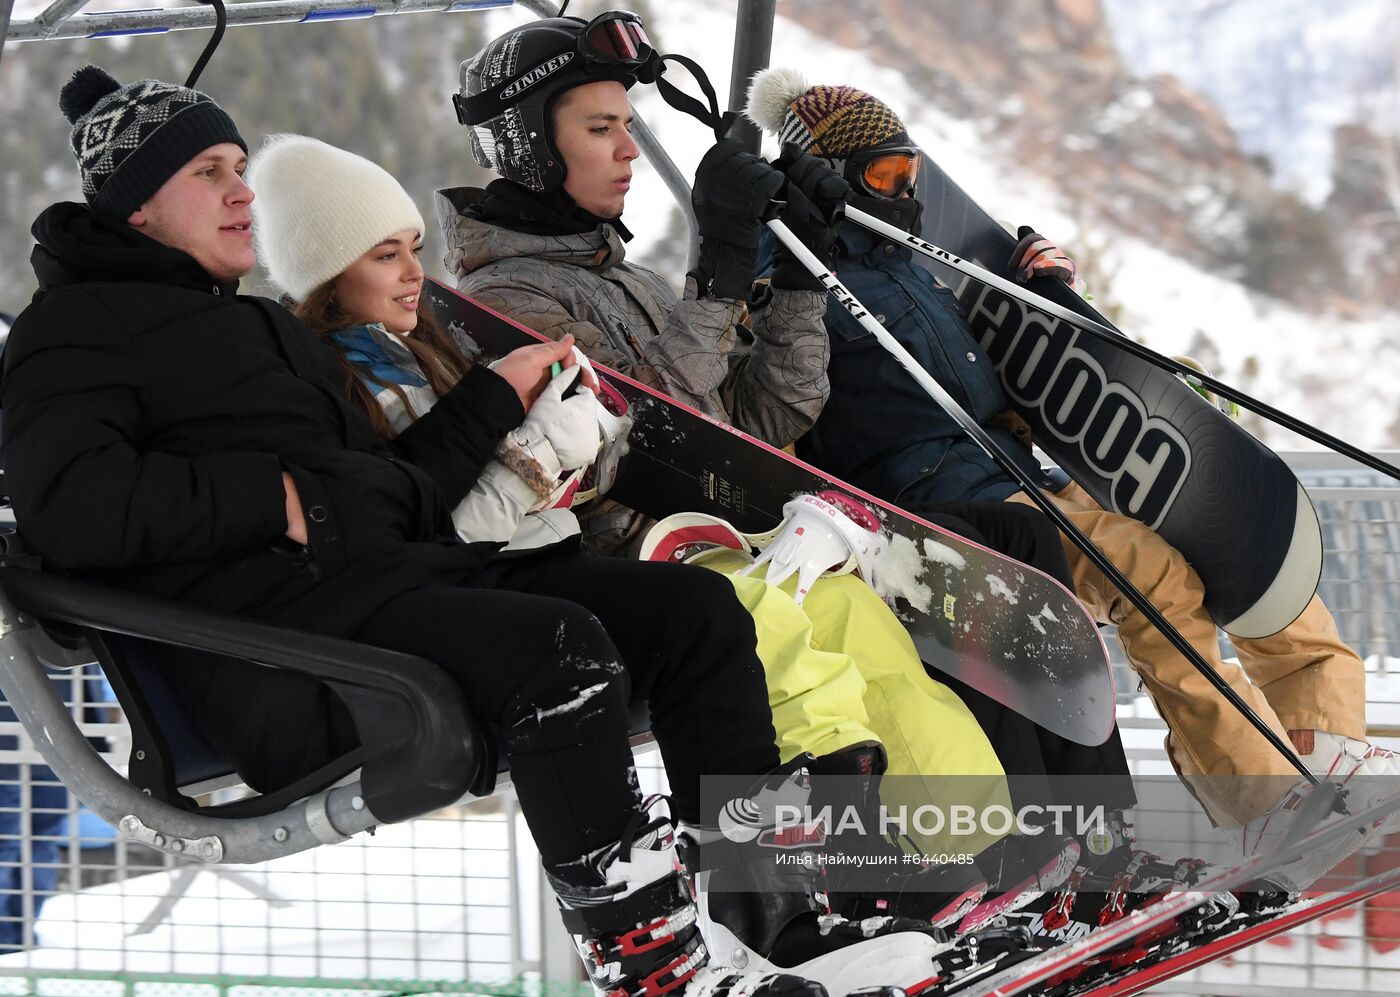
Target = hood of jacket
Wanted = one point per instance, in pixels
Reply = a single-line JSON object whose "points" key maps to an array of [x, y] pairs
{"points": [[76, 246], [473, 242]]}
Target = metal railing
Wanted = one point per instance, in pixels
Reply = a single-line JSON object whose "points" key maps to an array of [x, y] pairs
{"points": [[1359, 510], [426, 904]]}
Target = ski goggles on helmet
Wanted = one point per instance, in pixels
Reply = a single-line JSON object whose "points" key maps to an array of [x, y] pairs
{"points": [[615, 38], [889, 172], [614, 44]]}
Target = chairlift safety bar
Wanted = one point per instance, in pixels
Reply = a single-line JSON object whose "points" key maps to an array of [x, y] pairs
{"points": [[66, 18]]}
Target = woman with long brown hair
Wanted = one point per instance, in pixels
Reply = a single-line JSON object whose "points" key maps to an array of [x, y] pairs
{"points": [[398, 360], [341, 237]]}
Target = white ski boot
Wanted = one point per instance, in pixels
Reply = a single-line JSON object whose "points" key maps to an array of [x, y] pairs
{"points": [[1269, 830], [1366, 772]]}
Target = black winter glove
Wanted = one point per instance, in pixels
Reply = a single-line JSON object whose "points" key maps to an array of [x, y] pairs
{"points": [[732, 190], [816, 201]]}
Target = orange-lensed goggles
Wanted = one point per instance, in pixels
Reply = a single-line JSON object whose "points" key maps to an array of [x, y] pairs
{"points": [[885, 172]]}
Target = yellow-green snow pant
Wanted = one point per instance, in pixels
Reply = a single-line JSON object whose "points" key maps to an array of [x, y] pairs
{"points": [[841, 669]]}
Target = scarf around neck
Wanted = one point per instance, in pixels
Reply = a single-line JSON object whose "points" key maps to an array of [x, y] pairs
{"points": [[364, 348]]}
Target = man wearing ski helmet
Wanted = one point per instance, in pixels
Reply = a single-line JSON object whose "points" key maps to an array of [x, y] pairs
{"points": [[545, 245], [882, 432]]}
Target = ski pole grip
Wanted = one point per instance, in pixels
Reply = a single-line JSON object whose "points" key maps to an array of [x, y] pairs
{"points": [[796, 246]]}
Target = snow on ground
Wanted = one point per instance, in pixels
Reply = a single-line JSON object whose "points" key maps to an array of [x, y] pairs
{"points": [[1283, 81], [425, 900]]}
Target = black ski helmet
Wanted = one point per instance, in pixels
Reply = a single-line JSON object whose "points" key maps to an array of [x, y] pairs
{"points": [[506, 90]]}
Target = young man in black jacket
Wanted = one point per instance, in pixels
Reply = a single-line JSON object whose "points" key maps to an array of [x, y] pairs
{"points": [[167, 435]]}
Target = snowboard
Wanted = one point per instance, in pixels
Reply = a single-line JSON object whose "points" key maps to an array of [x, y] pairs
{"points": [[1002, 627], [1177, 933], [1137, 438]]}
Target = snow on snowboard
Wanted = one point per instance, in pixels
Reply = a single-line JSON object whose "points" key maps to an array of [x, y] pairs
{"points": [[971, 612], [1138, 439]]}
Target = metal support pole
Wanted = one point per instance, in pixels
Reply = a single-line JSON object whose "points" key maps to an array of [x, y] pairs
{"points": [[59, 11], [6, 7], [675, 182], [28, 907], [753, 47], [158, 20]]}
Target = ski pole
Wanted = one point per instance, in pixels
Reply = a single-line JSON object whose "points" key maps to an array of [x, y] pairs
{"points": [[979, 435], [1108, 333]]}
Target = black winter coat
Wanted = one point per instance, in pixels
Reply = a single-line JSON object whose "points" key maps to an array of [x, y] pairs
{"points": [[150, 412]]}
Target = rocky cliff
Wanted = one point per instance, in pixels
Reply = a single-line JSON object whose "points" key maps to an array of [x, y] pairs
{"points": [[1144, 155]]}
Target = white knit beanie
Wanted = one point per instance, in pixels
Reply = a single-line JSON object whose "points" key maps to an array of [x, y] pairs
{"points": [[317, 209]]}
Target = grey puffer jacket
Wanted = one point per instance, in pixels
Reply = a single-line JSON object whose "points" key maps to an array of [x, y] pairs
{"points": [[628, 318]]}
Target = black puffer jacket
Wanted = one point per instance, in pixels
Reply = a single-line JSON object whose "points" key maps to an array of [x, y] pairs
{"points": [[150, 412]]}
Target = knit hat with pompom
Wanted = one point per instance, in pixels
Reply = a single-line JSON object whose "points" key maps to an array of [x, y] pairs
{"points": [[129, 140], [830, 121]]}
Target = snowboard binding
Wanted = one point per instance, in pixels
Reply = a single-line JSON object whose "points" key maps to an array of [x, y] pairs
{"points": [[828, 533]]}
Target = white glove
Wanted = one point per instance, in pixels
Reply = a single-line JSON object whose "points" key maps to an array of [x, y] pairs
{"points": [[569, 425]]}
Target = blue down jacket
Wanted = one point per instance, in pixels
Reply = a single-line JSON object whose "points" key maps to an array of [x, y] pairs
{"points": [[879, 429]]}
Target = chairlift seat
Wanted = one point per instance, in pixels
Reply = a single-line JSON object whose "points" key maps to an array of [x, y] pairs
{"points": [[419, 747]]}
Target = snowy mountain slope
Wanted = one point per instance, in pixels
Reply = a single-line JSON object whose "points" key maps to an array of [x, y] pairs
{"points": [[1283, 72], [1336, 374]]}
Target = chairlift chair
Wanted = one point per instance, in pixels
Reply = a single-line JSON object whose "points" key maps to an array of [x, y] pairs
{"points": [[419, 747]]}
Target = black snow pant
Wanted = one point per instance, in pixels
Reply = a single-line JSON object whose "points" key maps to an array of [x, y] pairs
{"points": [[1033, 757], [550, 649]]}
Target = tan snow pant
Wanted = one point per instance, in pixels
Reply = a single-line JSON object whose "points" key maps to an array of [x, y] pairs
{"points": [[1301, 678]]}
